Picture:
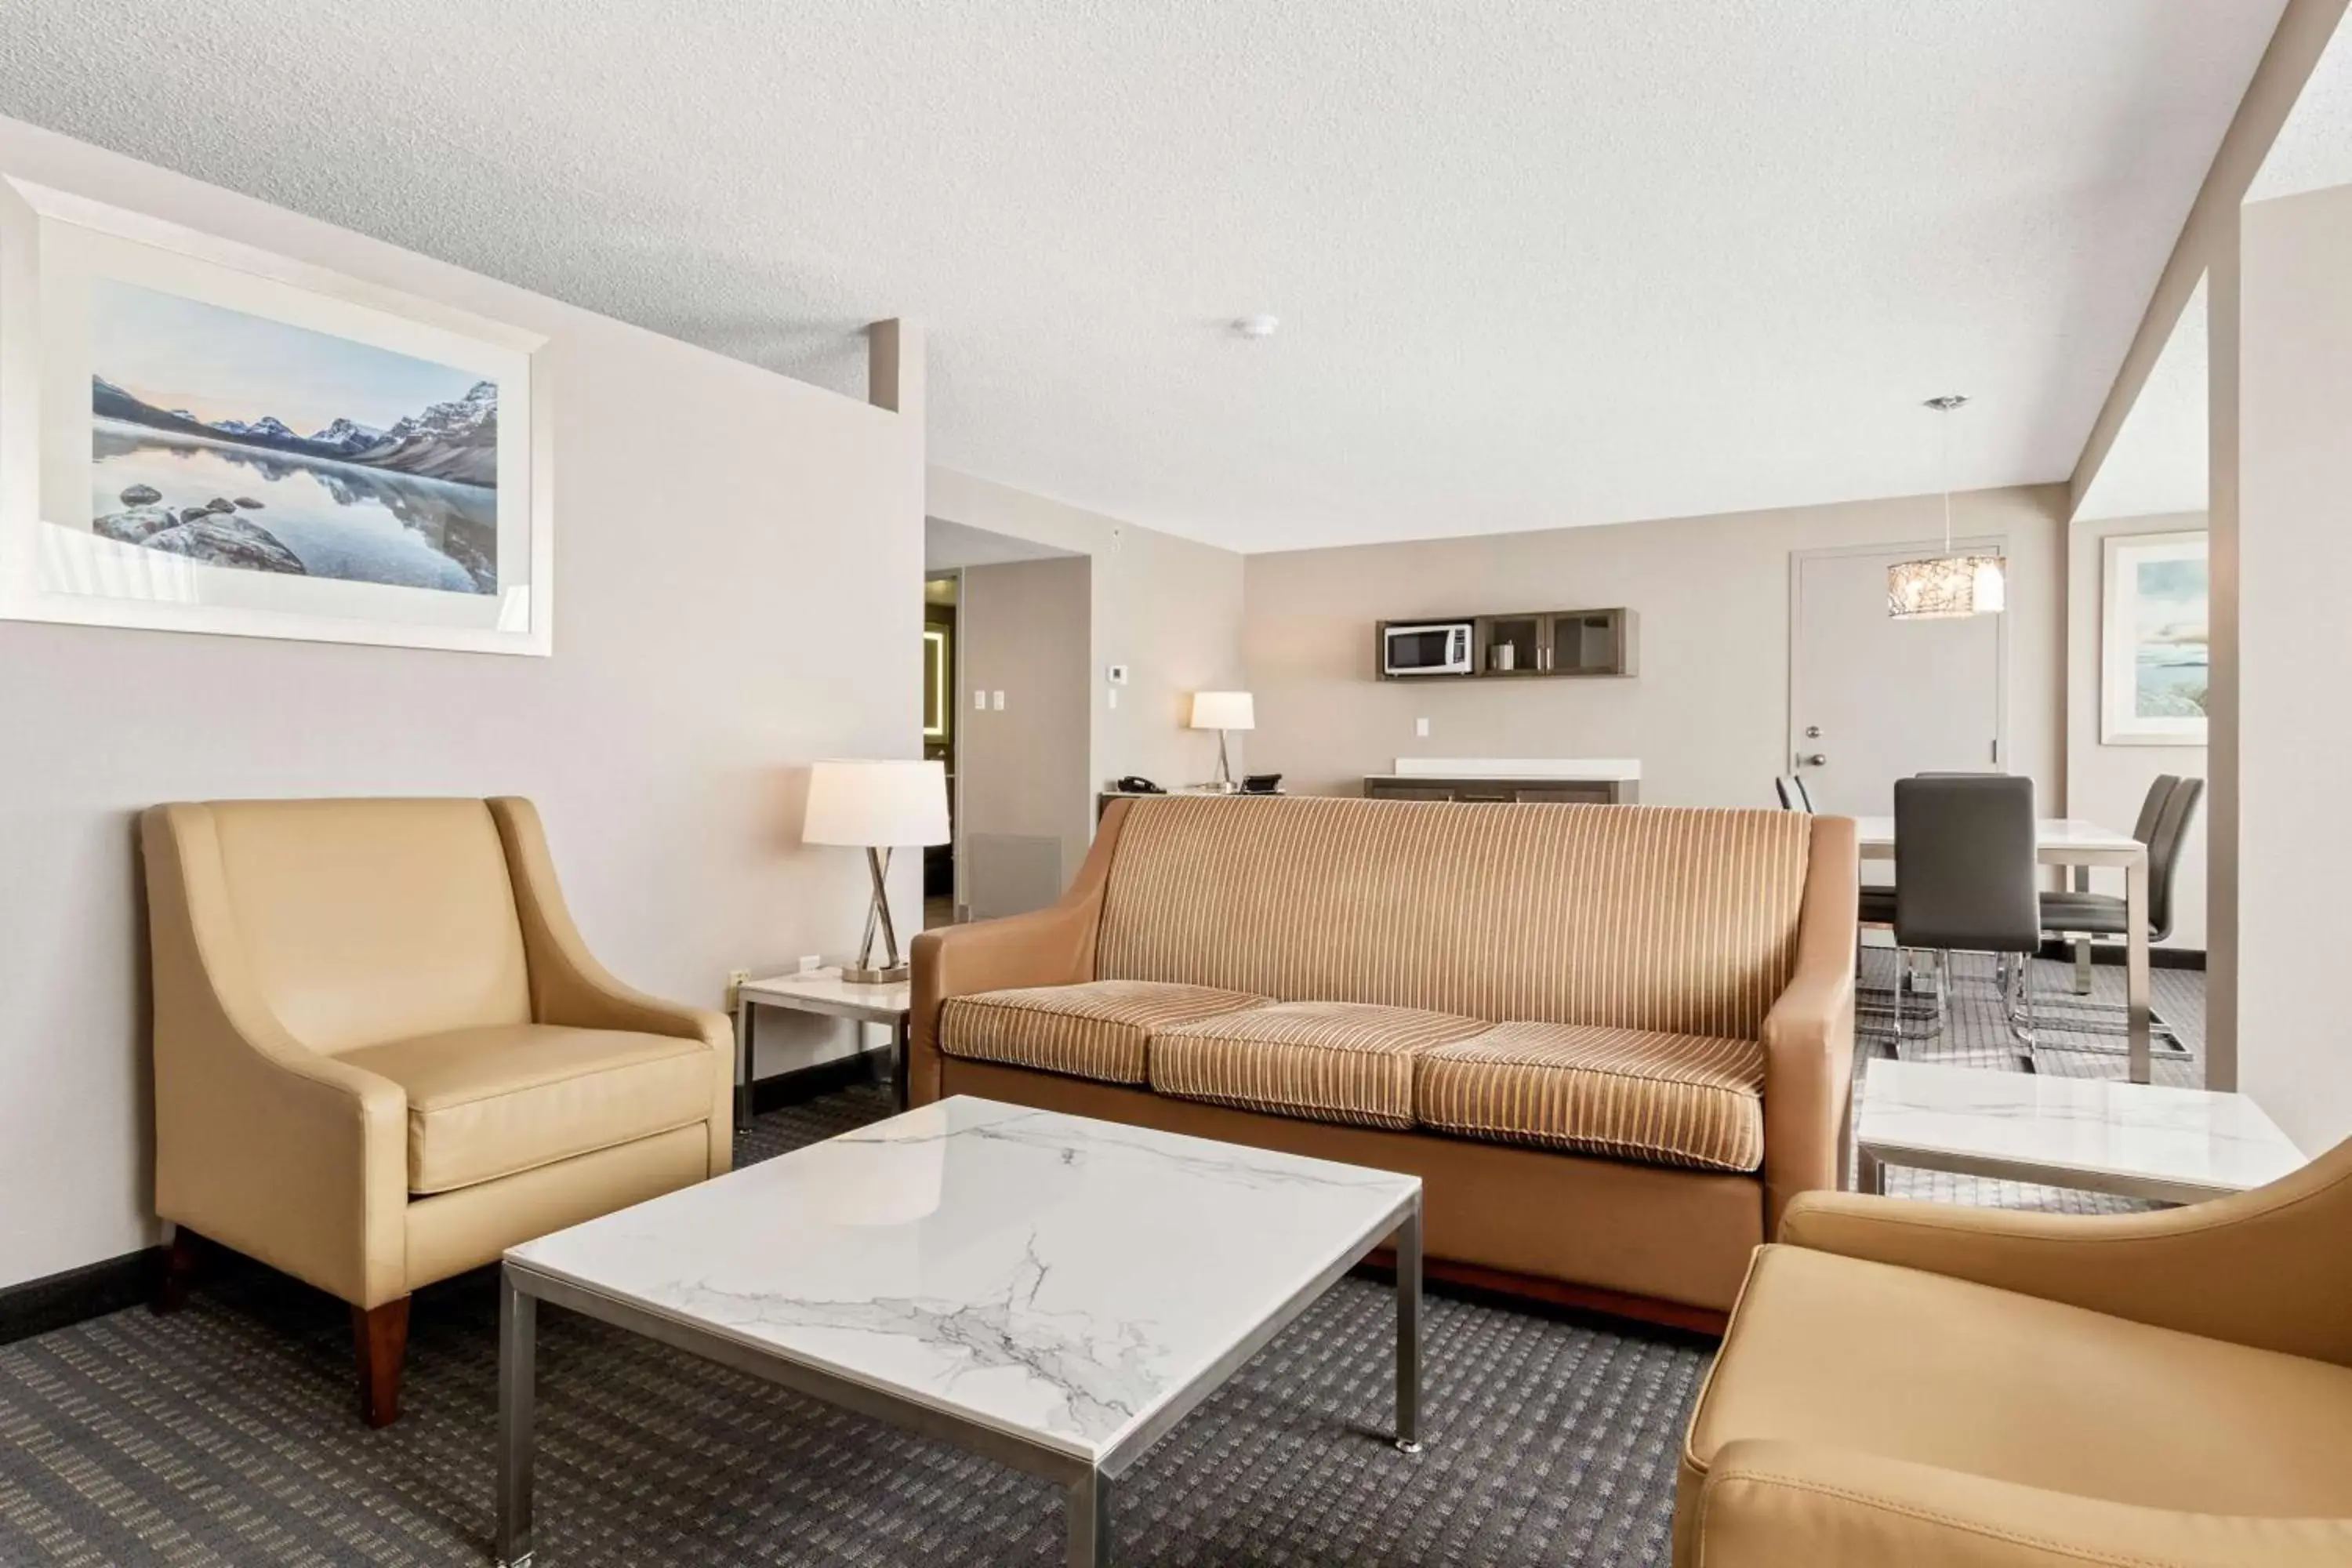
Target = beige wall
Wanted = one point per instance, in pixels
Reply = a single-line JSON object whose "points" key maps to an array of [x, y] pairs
{"points": [[2107, 783], [1028, 805], [1707, 715], [2294, 695], [715, 525], [1167, 608]]}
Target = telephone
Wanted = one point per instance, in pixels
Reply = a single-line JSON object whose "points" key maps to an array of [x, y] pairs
{"points": [[1136, 784], [1261, 784]]}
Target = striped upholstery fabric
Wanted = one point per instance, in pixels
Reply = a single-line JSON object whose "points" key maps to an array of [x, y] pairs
{"points": [[1634, 917], [1326, 1061], [1098, 1030], [1668, 1100]]}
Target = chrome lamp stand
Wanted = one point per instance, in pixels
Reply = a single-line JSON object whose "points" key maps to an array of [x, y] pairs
{"points": [[893, 968]]}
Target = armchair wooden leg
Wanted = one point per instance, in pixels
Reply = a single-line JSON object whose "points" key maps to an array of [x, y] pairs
{"points": [[381, 1336], [178, 1270]]}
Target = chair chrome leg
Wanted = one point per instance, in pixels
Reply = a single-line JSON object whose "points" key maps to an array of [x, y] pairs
{"points": [[2082, 966]]}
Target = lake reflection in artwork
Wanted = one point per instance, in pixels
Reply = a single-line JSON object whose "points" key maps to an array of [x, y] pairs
{"points": [[337, 519]]}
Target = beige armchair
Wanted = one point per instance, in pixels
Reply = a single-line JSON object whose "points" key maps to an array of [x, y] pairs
{"points": [[1946, 1387], [383, 1054]]}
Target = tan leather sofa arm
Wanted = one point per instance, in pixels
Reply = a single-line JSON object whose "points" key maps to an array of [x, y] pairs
{"points": [[2267, 1268], [1052, 946], [292, 1157], [570, 987], [1788, 1505], [1808, 1035]]}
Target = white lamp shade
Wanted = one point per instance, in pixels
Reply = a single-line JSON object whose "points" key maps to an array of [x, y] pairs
{"points": [[1223, 710], [878, 806]]}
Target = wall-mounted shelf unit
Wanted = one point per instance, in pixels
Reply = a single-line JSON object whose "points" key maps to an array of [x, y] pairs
{"points": [[1538, 645]]}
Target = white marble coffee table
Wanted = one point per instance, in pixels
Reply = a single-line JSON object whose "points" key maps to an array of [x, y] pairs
{"points": [[1051, 1291], [2134, 1140]]}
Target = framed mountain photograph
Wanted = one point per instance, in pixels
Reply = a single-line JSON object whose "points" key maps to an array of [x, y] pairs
{"points": [[2154, 667], [218, 439]]}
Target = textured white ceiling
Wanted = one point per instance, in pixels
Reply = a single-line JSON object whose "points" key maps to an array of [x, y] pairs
{"points": [[1540, 262], [2313, 148], [2157, 464]]}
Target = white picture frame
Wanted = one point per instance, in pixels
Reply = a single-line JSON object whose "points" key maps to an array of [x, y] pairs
{"points": [[2154, 661], [73, 270]]}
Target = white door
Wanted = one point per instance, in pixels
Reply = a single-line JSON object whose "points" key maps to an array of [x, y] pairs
{"points": [[1872, 699]]}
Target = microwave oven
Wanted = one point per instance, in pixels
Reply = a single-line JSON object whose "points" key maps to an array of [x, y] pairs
{"points": [[1436, 647]]}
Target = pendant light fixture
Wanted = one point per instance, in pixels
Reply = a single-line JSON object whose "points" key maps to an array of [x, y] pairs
{"points": [[1949, 586]]}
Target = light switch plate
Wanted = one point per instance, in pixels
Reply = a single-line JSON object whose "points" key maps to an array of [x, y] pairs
{"points": [[980, 701], [1420, 727], [999, 701]]}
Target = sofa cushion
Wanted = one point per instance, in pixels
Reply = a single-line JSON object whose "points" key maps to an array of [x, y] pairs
{"points": [[484, 1103], [1835, 1350], [1097, 1031], [1640, 917], [1329, 1061], [1634, 1094]]}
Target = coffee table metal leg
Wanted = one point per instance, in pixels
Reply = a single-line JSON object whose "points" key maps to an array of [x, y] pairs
{"points": [[1408, 1309], [517, 1336], [1869, 1172], [1089, 1507]]}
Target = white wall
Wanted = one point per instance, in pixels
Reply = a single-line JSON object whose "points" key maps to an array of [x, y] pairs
{"points": [[2107, 784], [2294, 688], [737, 563], [1028, 804], [1167, 608], [1708, 714]]}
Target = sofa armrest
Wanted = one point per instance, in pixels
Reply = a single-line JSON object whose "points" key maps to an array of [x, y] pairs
{"points": [[1052, 946], [569, 987], [295, 1158], [1791, 1505], [1808, 1037], [2267, 1268]]}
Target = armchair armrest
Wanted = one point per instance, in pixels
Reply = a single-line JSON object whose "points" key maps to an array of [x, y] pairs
{"points": [[1808, 1037], [2267, 1268], [1052, 946], [290, 1156], [1791, 1505], [569, 987]]}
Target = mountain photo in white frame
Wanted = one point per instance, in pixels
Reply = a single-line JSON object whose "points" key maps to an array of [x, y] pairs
{"points": [[232, 441], [2155, 664]]}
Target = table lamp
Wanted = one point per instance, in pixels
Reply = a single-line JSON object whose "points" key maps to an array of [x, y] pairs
{"points": [[1223, 712], [876, 807]]}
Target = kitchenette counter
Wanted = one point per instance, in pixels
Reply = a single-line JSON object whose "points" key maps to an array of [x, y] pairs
{"points": [[1598, 781]]}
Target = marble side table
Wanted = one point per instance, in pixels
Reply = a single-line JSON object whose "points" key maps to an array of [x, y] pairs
{"points": [[2100, 1136]]}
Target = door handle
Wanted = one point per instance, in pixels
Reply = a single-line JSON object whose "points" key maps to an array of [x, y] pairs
{"points": [[1814, 760]]}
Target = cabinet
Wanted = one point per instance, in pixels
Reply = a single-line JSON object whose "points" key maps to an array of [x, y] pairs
{"points": [[1524, 791], [1537, 644]]}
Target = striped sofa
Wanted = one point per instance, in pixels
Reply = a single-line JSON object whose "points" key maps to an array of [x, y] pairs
{"points": [[1614, 1041]]}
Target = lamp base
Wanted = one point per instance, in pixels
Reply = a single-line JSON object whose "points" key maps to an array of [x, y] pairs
{"points": [[850, 975]]}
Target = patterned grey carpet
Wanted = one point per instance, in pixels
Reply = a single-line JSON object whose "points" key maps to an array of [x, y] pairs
{"points": [[223, 1436]]}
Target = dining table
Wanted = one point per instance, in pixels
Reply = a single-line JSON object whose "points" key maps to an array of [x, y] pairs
{"points": [[2073, 842]]}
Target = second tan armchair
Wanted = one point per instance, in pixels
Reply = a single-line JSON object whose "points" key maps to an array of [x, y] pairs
{"points": [[1945, 1387], [383, 1055]]}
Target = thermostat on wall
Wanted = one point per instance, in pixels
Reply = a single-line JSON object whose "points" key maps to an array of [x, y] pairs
{"points": [[1117, 674]]}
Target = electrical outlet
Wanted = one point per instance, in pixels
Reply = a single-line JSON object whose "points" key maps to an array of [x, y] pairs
{"points": [[811, 963], [1420, 727], [736, 980], [1118, 674]]}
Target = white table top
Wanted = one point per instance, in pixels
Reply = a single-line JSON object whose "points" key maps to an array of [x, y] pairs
{"points": [[2098, 1134], [2056, 839], [825, 991], [1050, 1275]]}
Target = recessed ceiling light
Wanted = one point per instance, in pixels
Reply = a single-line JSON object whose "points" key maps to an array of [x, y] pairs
{"points": [[1258, 326]]}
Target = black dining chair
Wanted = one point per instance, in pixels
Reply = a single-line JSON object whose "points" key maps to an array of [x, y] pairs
{"points": [[1966, 881], [2082, 915]]}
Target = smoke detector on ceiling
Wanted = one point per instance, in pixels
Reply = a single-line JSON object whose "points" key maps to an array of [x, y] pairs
{"points": [[1258, 326]]}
